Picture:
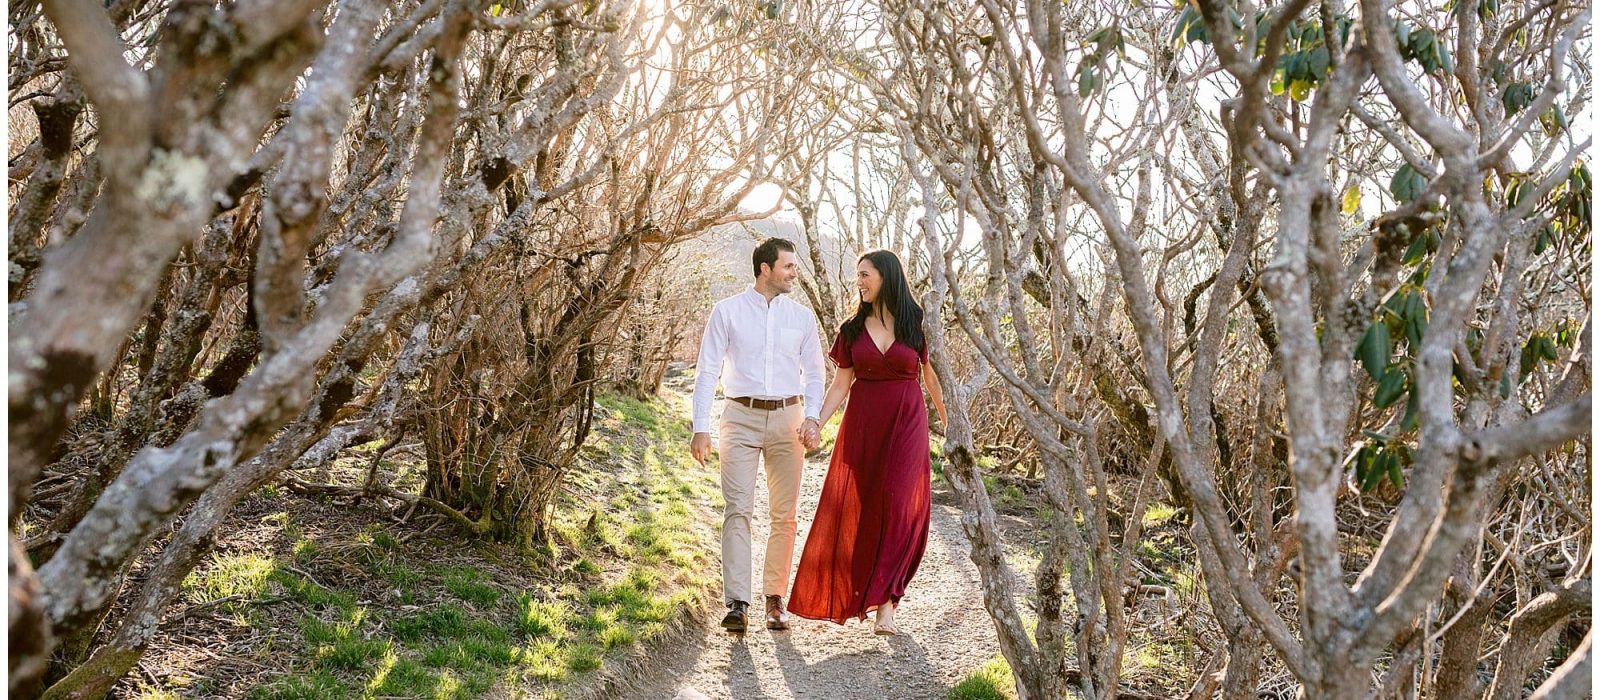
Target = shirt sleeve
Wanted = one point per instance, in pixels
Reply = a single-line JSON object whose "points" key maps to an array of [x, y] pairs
{"points": [[708, 369], [840, 354], [811, 367]]}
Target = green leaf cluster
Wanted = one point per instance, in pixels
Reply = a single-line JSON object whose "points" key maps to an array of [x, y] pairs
{"points": [[1516, 96], [1407, 184], [1422, 246], [1423, 46], [1569, 205], [1554, 121], [1094, 66], [1404, 317], [1307, 59], [1407, 310], [1540, 347], [1486, 8], [1547, 346], [1190, 27], [1380, 457]]}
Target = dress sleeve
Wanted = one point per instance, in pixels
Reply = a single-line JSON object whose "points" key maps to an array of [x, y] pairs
{"points": [[922, 354], [840, 354]]}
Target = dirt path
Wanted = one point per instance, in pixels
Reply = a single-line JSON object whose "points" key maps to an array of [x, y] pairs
{"points": [[945, 632]]}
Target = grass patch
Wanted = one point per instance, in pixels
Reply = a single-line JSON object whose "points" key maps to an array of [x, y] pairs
{"points": [[617, 636], [382, 538], [1006, 496], [470, 585], [630, 552], [312, 594], [634, 411], [1012, 494], [644, 535], [1161, 547], [244, 575], [313, 686], [305, 549], [599, 620], [402, 677], [992, 681], [583, 658], [355, 653], [448, 621], [540, 620], [1158, 513], [399, 574], [148, 692], [1146, 658], [471, 653], [343, 645]]}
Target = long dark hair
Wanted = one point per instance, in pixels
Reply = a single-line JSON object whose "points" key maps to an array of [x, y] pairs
{"points": [[896, 297]]}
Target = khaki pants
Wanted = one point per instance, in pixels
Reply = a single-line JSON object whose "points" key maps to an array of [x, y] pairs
{"points": [[745, 435]]}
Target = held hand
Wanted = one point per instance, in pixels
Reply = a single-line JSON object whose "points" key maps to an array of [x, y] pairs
{"points": [[700, 447], [810, 435]]}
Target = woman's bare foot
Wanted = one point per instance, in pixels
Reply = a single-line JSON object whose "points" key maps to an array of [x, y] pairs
{"points": [[883, 625]]}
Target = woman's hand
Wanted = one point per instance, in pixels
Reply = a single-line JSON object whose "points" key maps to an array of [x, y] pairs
{"points": [[810, 434]]}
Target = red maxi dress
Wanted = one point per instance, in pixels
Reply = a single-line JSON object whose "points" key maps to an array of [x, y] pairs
{"points": [[871, 526]]}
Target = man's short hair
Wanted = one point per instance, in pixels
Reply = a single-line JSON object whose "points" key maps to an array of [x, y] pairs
{"points": [[767, 252]]}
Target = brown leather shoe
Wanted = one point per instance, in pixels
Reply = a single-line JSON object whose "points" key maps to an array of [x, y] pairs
{"points": [[777, 619]]}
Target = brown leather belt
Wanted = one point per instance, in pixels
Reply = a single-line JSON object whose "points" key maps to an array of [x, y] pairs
{"points": [[766, 404]]}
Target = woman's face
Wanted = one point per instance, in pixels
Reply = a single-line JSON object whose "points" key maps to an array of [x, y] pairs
{"points": [[868, 281]]}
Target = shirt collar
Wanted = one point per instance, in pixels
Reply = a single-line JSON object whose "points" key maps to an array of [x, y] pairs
{"points": [[756, 296]]}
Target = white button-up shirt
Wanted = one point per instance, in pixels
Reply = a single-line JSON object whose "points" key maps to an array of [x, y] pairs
{"points": [[771, 351]]}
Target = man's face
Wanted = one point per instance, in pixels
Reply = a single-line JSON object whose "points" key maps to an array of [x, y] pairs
{"points": [[787, 270]]}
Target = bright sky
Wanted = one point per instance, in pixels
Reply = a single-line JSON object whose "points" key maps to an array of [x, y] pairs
{"points": [[763, 197]]}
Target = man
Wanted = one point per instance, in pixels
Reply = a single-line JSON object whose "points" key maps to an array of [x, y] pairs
{"points": [[764, 347]]}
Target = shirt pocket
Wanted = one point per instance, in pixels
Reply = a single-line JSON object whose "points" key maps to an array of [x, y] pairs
{"points": [[789, 340]]}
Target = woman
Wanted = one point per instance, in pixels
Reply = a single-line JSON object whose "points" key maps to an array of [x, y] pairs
{"points": [[871, 525]]}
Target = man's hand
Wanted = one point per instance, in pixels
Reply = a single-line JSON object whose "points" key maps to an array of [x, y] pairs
{"points": [[810, 434], [700, 447]]}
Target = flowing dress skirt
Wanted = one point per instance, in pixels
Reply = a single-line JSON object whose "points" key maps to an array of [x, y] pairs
{"points": [[871, 525]]}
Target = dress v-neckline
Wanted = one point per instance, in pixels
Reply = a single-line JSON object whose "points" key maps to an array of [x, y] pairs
{"points": [[874, 341]]}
